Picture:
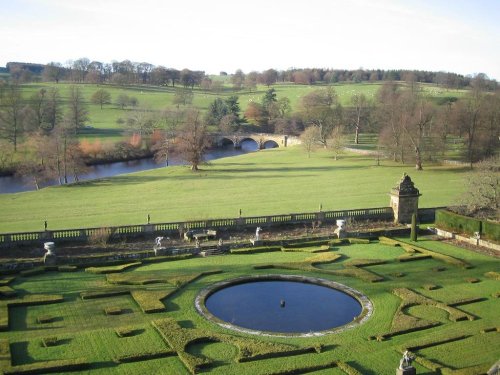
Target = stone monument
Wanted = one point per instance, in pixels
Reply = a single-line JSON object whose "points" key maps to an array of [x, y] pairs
{"points": [[340, 230], [405, 367], [256, 241], [404, 200], [158, 248], [50, 257]]}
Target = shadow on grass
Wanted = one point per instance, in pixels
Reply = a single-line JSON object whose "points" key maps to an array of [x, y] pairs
{"points": [[213, 174], [20, 354], [186, 323]]}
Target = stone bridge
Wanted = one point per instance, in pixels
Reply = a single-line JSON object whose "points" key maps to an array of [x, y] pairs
{"points": [[263, 140]]}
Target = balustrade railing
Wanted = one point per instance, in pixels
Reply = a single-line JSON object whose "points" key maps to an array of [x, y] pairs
{"points": [[129, 231]]}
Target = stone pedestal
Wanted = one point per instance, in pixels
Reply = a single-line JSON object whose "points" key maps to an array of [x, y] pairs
{"points": [[406, 371], [257, 242], [49, 259], [404, 200], [159, 250]]}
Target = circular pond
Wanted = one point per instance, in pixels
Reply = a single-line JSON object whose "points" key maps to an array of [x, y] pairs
{"points": [[283, 305]]}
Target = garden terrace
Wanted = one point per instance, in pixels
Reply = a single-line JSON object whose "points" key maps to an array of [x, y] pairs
{"points": [[142, 319]]}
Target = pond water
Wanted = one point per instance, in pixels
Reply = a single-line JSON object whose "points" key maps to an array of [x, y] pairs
{"points": [[15, 184], [283, 306]]}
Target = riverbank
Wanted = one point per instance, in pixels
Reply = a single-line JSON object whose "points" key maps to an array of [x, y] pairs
{"points": [[268, 182]]}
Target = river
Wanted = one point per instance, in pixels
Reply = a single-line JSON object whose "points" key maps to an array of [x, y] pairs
{"points": [[16, 184]]}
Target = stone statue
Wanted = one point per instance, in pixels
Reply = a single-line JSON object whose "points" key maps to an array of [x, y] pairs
{"points": [[158, 241], [219, 245], [340, 231], [257, 231], [406, 361], [50, 257], [197, 243]]}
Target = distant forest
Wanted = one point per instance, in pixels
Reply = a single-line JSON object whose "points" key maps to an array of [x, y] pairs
{"points": [[126, 72]]}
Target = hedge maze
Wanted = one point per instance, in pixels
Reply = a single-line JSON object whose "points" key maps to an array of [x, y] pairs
{"points": [[140, 318]]}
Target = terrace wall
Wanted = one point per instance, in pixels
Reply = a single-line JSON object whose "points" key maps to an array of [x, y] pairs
{"points": [[426, 215]]}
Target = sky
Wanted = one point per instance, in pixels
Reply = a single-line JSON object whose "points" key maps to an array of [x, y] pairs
{"points": [[458, 36]]}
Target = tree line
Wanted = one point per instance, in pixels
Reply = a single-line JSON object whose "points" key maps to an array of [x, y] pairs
{"points": [[126, 72], [410, 125]]}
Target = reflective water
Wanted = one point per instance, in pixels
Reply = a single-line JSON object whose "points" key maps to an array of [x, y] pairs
{"points": [[283, 306], [15, 184]]}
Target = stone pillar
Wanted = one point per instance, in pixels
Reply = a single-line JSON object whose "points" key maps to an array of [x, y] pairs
{"points": [[404, 200]]}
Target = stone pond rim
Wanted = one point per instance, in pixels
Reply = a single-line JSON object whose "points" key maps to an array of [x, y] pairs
{"points": [[362, 317]]}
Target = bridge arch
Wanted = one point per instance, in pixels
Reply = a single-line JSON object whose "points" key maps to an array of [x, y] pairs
{"points": [[270, 143], [224, 141]]}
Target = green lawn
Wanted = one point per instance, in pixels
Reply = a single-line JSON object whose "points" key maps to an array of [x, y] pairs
{"points": [[268, 182], [84, 330], [157, 98]]}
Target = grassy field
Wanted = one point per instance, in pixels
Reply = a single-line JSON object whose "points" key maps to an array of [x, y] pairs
{"points": [[156, 98], [268, 182], [80, 327]]}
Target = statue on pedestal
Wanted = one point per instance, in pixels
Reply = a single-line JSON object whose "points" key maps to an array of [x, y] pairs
{"points": [[405, 367], [158, 246], [257, 231]]}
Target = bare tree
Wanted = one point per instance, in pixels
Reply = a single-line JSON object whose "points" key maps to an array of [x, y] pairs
{"points": [[337, 141], [322, 109], [310, 139], [77, 114], [361, 111], [482, 197], [53, 72], [416, 116], [389, 116], [472, 117], [168, 122], [183, 97], [11, 119], [193, 140]]}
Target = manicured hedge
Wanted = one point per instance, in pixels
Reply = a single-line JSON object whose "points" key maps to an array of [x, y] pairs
{"points": [[249, 349], [42, 319], [104, 294], [491, 230], [7, 291], [309, 249], [67, 268], [493, 275], [464, 224], [306, 244], [359, 240], [150, 301], [254, 250], [5, 358], [57, 366], [457, 223], [6, 280], [144, 356], [388, 241], [409, 258], [112, 269], [113, 310], [50, 341], [167, 258], [33, 271]]}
